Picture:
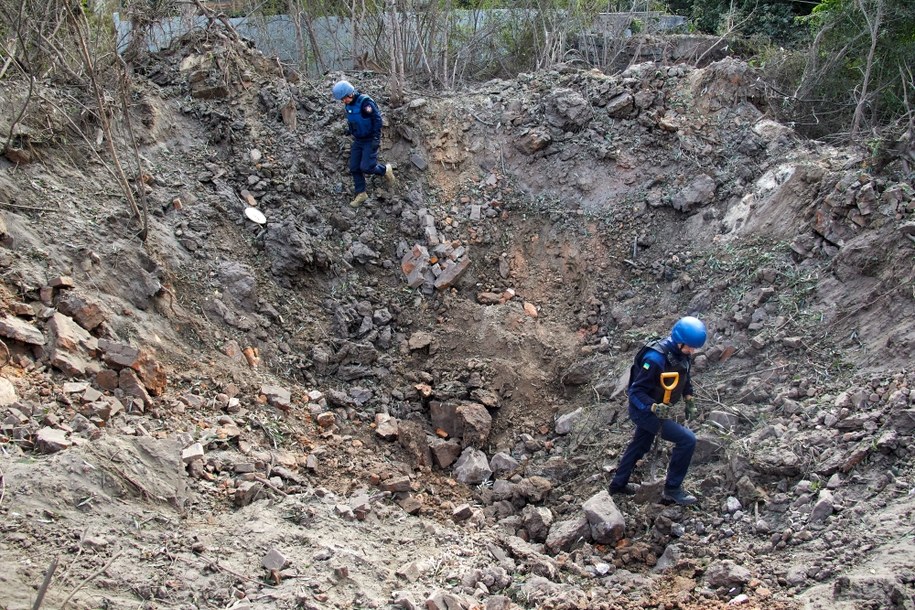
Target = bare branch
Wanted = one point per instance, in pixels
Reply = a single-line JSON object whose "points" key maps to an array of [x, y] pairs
{"points": [[874, 23], [43, 589], [89, 579]]}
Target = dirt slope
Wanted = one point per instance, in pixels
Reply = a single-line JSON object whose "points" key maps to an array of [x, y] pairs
{"points": [[243, 415]]}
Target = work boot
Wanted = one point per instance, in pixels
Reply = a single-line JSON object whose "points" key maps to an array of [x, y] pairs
{"points": [[678, 496], [358, 199], [389, 173], [629, 489]]}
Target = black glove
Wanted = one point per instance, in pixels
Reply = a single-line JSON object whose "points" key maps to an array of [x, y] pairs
{"points": [[660, 409], [691, 409]]}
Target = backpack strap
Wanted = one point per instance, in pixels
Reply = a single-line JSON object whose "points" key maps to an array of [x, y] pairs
{"points": [[653, 350]]}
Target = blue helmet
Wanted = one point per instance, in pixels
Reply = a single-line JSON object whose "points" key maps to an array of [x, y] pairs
{"points": [[689, 331], [342, 89]]}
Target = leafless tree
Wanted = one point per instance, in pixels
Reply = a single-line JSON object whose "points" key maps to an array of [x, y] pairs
{"points": [[872, 10]]}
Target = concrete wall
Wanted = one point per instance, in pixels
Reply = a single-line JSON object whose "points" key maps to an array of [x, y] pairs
{"points": [[275, 36]]}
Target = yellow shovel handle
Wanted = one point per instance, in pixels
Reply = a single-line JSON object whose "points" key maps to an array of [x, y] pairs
{"points": [[669, 382]]}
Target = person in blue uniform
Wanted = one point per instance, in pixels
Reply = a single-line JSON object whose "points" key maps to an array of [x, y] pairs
{"points": [[363, 120], [650, 412]]}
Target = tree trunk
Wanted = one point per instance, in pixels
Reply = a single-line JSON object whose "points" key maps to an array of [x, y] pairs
{"points": [[874, 22]]}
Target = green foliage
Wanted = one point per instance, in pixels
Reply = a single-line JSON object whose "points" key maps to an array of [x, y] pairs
{"points": [[770, 19], [826, 90]]}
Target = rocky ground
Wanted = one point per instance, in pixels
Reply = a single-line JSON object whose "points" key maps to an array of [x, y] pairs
{"points": [[418, 403]]}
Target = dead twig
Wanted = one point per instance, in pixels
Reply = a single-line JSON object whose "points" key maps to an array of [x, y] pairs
{"points": [[222, 568], [28, 207], [731, 28], [49, 573], [19, 33], [10, 58], [143, 491], [89, 579], [138, 180], [80, 27], [271, 485], [487, 123], [213, 17]]}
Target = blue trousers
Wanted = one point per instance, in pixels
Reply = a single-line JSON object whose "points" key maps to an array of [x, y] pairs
{"points": [[363, 159], [647, 426]]}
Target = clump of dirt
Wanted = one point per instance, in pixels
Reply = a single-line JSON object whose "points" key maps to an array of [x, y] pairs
{"points": [[418, 402]]}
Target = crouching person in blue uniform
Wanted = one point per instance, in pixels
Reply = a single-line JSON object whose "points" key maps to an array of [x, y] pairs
{"points": [[659, 377], [363, 119]]}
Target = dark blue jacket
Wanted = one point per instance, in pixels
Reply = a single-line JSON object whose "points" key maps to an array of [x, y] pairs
{"points": [[364, 118], [645, 376]]}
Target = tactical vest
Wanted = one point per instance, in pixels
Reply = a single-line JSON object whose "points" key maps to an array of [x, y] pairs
{"points": [[671, 365], [359, 124]]}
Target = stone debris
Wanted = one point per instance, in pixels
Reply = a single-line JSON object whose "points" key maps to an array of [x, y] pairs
{"points": [[82, 308], [791, 461], [604, 518], [472, 467], [51, 440], [274, 560], [566, 423], [191, 453], [386, 426], [8, 394], [20, 330], [277, 396]]}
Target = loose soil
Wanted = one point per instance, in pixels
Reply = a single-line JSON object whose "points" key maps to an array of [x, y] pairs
{"points": [[245, 458]]}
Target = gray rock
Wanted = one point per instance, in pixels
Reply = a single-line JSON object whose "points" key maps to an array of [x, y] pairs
{"points": [[274, 560], [533, 489], [247, 491], [238, 284], [564, 535], [732, 505], [502, 490], [606, 522], [462, 512], [579, 373], [7, 392], [385, 426], [668, 558], [475, 423], [499, 602], [503, 464], [442, 600], [620, 105], [20, 330], [726, 573], [727, 421], [537, 521], [568, 110], [292, 250], [413, 570], [708, 450], [472, 468], [412, 437], [445, 452], [566, 423], [823, 507], [534, 140], [277, 396], [403, 600], [52, 440], [697, 193], [191, 453]]}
